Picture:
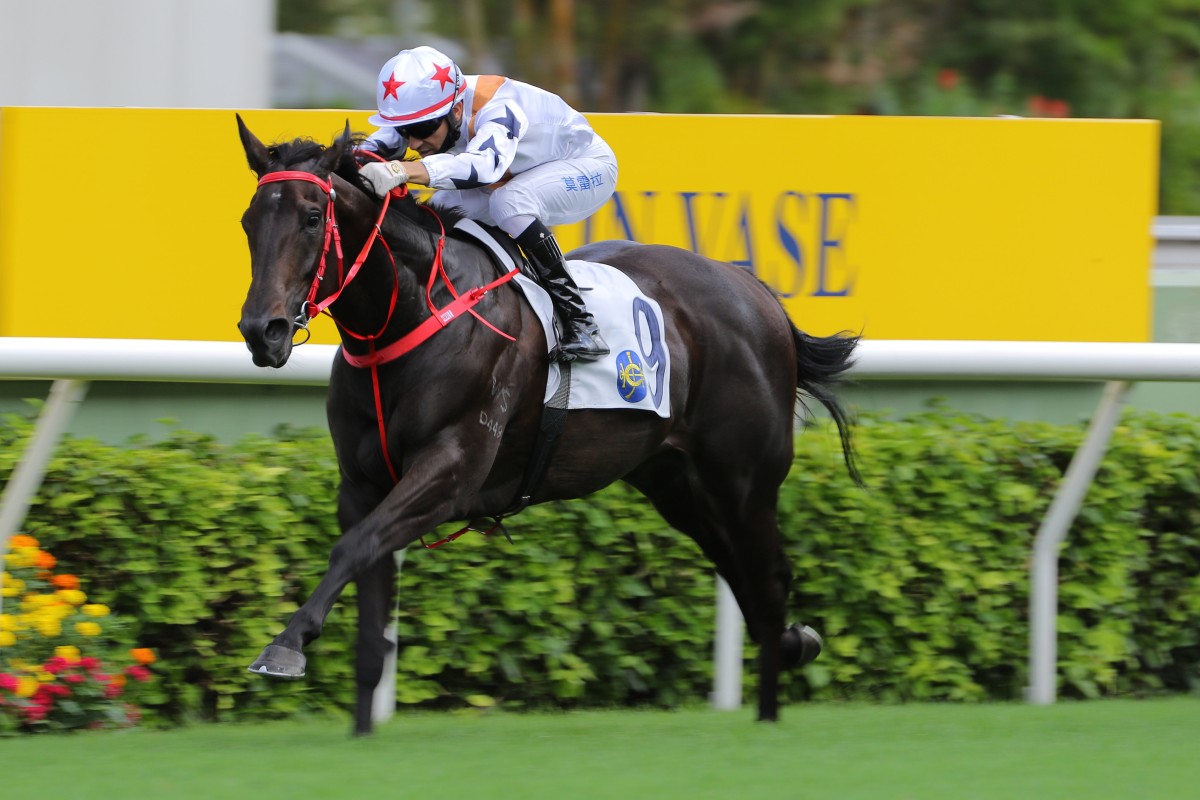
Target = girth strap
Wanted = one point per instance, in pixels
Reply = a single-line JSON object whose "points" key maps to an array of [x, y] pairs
{"points": [[554, 419]]}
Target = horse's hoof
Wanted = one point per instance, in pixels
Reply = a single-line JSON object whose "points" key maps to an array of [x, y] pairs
{"points": [[277, 661], [801, 645]]}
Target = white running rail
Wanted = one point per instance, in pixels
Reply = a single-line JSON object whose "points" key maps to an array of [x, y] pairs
{"points": [[73, 363]]}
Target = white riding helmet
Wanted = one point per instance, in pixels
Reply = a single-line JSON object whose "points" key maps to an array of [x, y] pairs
{"points": [[416, 85]]}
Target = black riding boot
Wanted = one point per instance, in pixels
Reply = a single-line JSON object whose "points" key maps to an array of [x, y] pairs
{"points": [[580, 335]]}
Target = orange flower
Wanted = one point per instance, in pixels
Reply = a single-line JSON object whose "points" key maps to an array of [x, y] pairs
{"points": [[44, 560], [65, 581], [143, 655], [21, 540]]}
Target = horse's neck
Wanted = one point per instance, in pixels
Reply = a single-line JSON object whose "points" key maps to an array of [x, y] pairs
{"points": [[365, 298], [364, 304]]}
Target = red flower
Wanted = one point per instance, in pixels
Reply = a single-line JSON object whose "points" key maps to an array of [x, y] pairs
{"points": [[947, 79], [43, 697], [89, 662], [138, 673], [1058, 108], [74, 677], [1048, 107], [112, 690], [56, 665], [8, 682], [34, 713]]}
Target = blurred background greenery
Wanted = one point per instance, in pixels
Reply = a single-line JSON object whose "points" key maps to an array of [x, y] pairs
{"points": [[1047, 58]]}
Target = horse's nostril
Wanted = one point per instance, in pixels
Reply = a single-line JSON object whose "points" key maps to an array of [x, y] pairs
{"points": [[277, 330]]}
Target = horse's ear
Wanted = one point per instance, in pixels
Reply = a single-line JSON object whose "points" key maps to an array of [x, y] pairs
{"points": [[256, 151], [333, 154]]}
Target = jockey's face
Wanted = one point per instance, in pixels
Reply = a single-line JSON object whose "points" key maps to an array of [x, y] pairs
{"points": [[429, 142]]}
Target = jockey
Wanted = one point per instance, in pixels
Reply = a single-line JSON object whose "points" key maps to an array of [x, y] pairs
{"points": [[502, 152]]}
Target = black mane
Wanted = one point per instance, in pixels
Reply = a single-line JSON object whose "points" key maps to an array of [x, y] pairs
{"points": [[303, 152]]}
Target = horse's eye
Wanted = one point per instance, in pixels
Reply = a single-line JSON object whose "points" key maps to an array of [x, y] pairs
{"points": [[314, 220]]}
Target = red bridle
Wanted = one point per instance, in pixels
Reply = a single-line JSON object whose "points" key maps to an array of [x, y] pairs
{"points": [[311, 308], [439, 317]]}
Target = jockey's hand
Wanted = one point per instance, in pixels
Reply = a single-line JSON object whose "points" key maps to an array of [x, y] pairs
{"points": [[383, 176]]}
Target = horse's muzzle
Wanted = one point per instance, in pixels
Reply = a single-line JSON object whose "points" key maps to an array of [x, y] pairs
{"points": [[269, 340]]}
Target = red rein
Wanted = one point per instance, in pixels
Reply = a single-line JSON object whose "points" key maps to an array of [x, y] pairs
{"points": [[439, 317]]}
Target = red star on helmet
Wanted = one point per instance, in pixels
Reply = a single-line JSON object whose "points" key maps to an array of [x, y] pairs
{"points": [[441, 74], [390, 86]]}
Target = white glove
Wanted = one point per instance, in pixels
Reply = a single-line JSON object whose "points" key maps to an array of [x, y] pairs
{"points": [[383, 176]]}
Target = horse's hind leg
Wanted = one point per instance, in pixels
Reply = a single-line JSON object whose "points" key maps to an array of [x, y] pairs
{"points": [[767, 577], [376, 599], [734, 522], [671, 484]]}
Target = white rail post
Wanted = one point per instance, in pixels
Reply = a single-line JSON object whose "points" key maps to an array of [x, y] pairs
{"points": [[727, 651], [65, 397], [1043, 585]]}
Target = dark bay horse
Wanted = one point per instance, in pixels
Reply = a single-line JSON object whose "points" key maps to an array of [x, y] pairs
{"points": [[412, 450]]}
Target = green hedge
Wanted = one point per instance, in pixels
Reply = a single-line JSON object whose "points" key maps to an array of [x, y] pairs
{"points": [[918, 582]]}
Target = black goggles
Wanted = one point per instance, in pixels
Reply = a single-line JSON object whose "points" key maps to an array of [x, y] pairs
{"points": [[421, 130]]}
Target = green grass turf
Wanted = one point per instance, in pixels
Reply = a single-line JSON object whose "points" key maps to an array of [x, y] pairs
{"points": [[1102, 749]]}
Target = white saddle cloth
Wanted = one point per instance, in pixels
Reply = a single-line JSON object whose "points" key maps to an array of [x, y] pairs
{"points": [[637, 371]]}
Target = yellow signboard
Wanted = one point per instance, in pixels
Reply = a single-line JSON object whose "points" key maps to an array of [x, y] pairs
{"points": [[125, 222]]}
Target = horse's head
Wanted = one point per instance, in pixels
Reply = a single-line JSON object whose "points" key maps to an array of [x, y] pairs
{"points": [[287, 226]]}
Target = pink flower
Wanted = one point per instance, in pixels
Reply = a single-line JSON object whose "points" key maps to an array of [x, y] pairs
{"points": [[138, 673], [74, 677], [8, 682], [112, 690], [56, 665], [89, 662], [34, 713]]}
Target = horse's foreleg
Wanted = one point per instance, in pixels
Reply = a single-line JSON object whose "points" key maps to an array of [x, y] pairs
{"points": [[426, 497], [353, 555]]}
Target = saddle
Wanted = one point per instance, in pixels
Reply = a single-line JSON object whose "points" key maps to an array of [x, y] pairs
{"points": [[502, 248]]}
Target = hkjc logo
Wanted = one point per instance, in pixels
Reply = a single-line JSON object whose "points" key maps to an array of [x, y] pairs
{"points": [[631, 377]]}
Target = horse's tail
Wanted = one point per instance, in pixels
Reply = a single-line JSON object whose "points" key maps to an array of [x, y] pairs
{"points": [[821, 366]]}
